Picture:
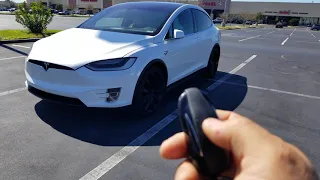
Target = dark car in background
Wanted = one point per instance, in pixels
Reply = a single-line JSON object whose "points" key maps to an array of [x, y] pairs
{"points": [[64, 13], [315, 27], [217, 20], [54, 11], [248, 22], [284, 24], [279, 25]]}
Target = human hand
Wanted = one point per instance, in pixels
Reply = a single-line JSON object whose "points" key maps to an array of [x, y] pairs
{"points": [[257, 154]]}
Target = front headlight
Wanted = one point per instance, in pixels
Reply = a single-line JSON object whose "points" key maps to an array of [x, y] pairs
{"points": [[111, 64]]}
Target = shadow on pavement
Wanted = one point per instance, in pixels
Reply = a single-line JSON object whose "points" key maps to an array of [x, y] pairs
{"points": [[116, 127], [14, 50]]}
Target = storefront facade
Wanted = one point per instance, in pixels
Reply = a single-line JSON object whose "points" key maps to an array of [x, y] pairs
{"points": [[307, 13]]}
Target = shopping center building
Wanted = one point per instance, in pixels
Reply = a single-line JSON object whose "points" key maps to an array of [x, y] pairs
{"points": [[308, 13]]}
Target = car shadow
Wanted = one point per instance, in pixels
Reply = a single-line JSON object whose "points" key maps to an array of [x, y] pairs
{"points": [[14, 49], [117, 127]]}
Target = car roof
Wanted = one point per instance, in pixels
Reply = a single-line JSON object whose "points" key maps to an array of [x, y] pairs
{"points": [[154, 4]]}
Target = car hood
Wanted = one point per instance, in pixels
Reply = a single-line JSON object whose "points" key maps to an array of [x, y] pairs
{"points": [[76, 47]]}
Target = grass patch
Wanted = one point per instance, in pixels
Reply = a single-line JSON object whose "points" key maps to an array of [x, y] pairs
{"points": [[23, 34], [239, 27], [75, 15], [7, 13], [231, 27]]}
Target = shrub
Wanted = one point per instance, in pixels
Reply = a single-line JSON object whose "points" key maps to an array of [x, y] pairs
{"points": [[59, 7], [294, 22], [35, 18]]}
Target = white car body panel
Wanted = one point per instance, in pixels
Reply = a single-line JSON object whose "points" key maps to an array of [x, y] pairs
{"points": [[77, 47]]}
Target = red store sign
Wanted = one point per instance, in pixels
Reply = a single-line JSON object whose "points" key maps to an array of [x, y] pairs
{"points": [[209, 4], [284, 12]]}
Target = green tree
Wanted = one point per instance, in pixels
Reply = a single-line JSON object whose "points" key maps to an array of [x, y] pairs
{"points": [[246, 16], [35, 20], [11, 4], [90, 9], [294, 22], [259, 16], [225, 17], [59, 7]]}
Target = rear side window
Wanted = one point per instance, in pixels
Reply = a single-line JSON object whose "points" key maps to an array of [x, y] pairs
{"points": [[202, 21], [184, 22]]}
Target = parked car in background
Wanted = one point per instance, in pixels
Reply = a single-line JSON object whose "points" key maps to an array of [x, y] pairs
{"points": [[238, 21], [284, 24], [12, 9], [217, 20], [315, 27], [64, 13], [279, 25], [80, 12], [248, 22], [54, 11]]}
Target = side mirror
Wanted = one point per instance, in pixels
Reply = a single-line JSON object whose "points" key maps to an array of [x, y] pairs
{"points": [[177, 34]]}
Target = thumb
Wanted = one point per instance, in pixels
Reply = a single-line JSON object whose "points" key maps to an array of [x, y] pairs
{"points": [[217, 132], [235, 133]]}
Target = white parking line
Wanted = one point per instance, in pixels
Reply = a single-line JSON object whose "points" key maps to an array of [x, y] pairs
{"points": [[282, 56], [284, 41], [116, 158], [249, 38], [308, 42], [12, 58], [273, 90], [311, 33], [16, 45], [271, 32], [293, 31], [12, 91]]}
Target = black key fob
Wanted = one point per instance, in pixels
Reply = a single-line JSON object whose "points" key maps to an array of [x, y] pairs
{"points": [[194, 107]]}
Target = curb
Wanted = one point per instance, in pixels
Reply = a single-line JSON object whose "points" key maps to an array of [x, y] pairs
{"points": [[19, 41]]}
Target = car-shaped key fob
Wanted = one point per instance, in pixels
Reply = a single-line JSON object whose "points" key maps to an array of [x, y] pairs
{"points": [[194, 107]]}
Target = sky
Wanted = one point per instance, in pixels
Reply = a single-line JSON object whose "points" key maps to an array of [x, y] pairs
{"points": [[302, 1]]}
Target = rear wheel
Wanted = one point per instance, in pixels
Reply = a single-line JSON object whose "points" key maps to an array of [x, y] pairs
{"points": [[213, 63], [149, 92]]}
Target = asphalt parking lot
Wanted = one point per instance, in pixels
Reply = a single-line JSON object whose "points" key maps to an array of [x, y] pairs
{"points": [[269, 75]]}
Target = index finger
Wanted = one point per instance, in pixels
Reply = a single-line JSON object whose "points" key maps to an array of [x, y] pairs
{"points": [[175, 147], [223, 114]]}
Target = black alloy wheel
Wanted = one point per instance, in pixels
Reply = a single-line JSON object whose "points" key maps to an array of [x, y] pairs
{"points": [[149, 92], [213, 63]]}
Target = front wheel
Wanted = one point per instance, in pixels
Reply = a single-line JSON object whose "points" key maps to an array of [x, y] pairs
{"points": [[149, 92], [213, 63]]}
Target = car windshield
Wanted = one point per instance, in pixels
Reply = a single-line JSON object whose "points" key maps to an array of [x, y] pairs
{"points": [[135, 18]]}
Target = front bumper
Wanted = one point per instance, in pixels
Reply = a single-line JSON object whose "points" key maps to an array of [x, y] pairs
{"points": [[81, 86]]}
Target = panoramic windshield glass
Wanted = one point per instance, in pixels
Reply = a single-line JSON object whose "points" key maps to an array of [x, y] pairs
{"points": [[137, 18]]}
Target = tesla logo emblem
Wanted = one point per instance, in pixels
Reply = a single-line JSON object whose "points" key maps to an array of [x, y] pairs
{"points": [[46, 66]]}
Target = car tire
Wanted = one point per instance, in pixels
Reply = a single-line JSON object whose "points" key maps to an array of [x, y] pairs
{"points": [[149, 92], [213, 63]]}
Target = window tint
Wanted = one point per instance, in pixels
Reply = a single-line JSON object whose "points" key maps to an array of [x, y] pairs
{"points": [[184, 22], [202, 21], [137, 18]]}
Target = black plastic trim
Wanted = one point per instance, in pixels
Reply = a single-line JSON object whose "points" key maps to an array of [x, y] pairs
{"points": [[51, 65], [55, 98]]}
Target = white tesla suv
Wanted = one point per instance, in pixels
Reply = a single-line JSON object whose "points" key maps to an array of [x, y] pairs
{"points": [[125, 55]]}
